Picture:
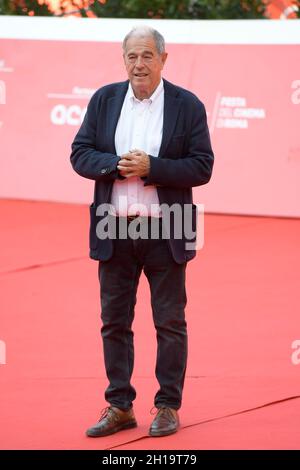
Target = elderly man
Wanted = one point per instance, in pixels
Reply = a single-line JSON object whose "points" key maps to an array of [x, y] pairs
{"points": [[145, 143]]}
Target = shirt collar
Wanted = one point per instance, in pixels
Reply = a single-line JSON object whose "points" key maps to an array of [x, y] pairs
{"points": [[158, 90]]}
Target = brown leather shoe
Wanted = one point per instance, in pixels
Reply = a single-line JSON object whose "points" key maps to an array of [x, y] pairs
{"points": [[112, 420], [165, 422]]}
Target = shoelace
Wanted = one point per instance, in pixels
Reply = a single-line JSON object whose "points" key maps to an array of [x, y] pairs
{"points": [[162, 410], [108, 413]]}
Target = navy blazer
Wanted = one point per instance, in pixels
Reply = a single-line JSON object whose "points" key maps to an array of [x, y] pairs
{"points": [[185, 158]]}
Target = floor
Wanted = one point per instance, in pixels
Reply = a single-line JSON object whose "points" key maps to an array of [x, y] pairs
{"points": [[243, 379]]}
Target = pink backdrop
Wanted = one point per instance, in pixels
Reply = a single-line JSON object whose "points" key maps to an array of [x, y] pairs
{"points": [[251, 93]]}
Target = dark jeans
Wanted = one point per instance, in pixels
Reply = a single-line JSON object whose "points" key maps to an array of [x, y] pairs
{"points": [[119, 277]]}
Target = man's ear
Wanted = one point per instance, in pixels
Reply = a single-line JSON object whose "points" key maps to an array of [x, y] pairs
{"points": [[164, 56]]}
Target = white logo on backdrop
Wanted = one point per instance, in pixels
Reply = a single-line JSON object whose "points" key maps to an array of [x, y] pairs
{"points": [[72, 115], [233, 112], [296, 94], [4, 68], [2, 92]]}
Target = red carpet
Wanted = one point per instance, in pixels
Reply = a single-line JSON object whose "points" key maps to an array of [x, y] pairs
{"points": [[242, 389]]}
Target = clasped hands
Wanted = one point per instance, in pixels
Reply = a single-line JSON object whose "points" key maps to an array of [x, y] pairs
{"points": [[134, 163]]}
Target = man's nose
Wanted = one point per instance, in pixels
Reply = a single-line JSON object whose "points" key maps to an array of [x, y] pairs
{"points": [[139, 62]]}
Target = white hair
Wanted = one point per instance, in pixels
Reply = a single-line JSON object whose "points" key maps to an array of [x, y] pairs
{"points": [[145, 31]]}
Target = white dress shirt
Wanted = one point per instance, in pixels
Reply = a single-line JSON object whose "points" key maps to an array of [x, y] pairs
{"points": [[139, 127]]}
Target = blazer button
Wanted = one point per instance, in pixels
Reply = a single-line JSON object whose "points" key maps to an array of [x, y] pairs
{"points": [[104, 170]]}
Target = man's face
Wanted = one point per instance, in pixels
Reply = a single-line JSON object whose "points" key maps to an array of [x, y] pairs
{"points": [[144, 65]]}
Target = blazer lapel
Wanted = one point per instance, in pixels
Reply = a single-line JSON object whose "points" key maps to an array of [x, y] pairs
{"points": [[114, 106], [172, 106]]}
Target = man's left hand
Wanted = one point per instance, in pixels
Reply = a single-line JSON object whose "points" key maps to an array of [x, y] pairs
{"points": [[134, 163]]}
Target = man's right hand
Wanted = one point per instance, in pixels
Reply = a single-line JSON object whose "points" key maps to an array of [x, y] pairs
{"points": [[134, 163]]}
